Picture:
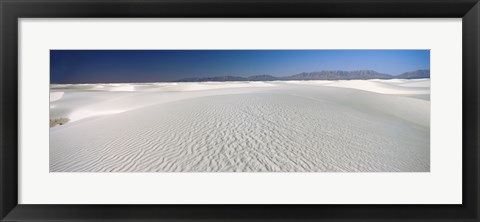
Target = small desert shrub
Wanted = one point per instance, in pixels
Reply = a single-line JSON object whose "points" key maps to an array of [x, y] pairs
{"points": [[58, 121]]}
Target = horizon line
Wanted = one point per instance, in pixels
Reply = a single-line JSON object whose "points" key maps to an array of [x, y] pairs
{"points": [[215, 76]]}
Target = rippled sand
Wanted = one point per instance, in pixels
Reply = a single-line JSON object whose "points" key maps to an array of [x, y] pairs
{"points": [[298, 126]]}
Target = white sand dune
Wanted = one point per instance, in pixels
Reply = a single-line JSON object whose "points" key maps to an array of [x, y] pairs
{"points": [[54, 96], [394, 86], [294, 126]]}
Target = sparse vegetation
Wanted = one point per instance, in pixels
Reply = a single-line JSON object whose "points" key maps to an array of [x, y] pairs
{"points": [[58, 121]]}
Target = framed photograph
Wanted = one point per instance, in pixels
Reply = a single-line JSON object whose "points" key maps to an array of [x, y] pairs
{"points": [[239, 110]]}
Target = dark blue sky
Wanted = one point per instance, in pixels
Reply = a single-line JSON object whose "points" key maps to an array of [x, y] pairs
{"points": [[111, 66]]}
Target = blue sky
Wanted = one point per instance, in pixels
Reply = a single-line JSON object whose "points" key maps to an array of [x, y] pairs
{"points": [[110, 66]]}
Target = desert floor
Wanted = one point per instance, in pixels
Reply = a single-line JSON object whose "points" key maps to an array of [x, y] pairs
{"points": [[278, 126]]}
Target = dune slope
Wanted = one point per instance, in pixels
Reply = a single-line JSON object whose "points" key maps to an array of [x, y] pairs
{"points": [[284, 128]]}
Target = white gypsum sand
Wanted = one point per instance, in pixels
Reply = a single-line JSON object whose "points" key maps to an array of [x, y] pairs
{"points": [[278, 126]]}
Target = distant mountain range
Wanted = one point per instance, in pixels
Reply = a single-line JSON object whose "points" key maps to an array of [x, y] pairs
{"points": [[321, 75]]}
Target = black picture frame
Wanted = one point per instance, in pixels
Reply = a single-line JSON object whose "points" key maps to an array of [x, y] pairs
{"points": [[12, 10]]}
